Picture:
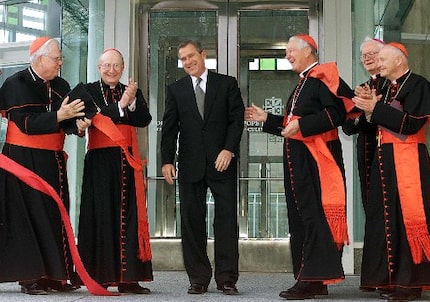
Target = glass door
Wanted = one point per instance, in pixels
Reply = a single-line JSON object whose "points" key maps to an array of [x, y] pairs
{"points": [[266, 80], [245, 39]]}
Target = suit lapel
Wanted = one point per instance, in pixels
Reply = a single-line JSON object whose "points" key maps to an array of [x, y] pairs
{"points": [[211, 88]]}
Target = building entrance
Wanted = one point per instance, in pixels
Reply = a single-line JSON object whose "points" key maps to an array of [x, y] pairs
{"points": [[245, 39]]}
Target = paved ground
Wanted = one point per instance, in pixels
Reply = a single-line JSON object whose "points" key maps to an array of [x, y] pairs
{"points": [[172, 286]]}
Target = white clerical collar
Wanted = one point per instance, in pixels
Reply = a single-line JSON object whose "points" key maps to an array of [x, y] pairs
{"points": [[395, 81], [309, 67], [32, 70]]}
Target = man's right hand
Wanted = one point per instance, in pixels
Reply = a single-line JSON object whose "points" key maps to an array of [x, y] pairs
{"points": [[70, 110], [169, 173]]}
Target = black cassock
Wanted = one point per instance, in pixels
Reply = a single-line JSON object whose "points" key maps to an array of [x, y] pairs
{"points": [[107, 237], [316, 256], [387, 260], [32, 240], [366, 139]]}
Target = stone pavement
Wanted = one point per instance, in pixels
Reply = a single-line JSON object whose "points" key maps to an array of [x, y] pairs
{"points": [[172, 286]]}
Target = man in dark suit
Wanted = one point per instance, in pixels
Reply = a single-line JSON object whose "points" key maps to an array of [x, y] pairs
{"points": [[207, 158]]}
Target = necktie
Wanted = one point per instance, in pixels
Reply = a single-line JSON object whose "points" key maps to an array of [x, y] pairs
{"points": [[200, 97]]}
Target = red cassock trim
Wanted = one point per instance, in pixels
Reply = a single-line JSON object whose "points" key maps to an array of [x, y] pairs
{"points": [[333, 197], [406, 163], [108, 134]]}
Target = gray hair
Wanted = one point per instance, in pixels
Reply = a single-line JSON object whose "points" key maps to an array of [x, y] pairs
{"points": [[367, 39], [302, 43], [44, 49]]}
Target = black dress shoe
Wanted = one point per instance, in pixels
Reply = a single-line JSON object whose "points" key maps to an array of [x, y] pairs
{"points": [[197, 289], [367, 289], [132, 288], [304, 290], [402, 294], [58, 285], [33, 289], [228, 288]]}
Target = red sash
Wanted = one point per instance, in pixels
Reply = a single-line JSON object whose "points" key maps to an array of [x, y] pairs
{"points": [[36, 182], [107, 134], [52, 141], [333, 197], [406, 163]]}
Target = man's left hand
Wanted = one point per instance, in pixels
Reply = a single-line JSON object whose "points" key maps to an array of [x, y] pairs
{"points": [[223, 160]]}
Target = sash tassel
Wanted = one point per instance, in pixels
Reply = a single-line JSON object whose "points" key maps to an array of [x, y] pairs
{"points": [[333, 196], [419, 241], [406, 161]]}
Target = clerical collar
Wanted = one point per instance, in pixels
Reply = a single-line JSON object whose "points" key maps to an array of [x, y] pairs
{"points": [[302, 74], [109, 86], [34, 74], [400, 79], [203, 76]]}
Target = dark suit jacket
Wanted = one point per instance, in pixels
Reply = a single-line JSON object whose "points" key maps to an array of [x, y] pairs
{"points": [[200, 141]]}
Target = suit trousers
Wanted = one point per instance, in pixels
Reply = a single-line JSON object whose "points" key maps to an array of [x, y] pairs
{"points": [[194, 235]]}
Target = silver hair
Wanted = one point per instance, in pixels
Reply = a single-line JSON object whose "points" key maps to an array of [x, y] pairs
{"points": [[368, 39], [302, 43], [44, 49]]}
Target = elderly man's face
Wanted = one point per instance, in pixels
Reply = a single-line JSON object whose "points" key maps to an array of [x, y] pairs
{"points": [[298, 57], [51, 63], [369, 56], [388, 59], [111, 66]]}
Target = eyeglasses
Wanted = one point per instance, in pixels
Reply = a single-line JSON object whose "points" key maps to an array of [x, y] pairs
{"points": [[369, 55], [108, 66], [56, 59]]}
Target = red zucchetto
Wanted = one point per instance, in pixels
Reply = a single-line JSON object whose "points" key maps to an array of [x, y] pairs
{"points": [[400, 47], [308, 39], [36, 44]]}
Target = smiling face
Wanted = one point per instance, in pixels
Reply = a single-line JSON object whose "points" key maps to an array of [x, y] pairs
{"points": [[192, 60], [111, 66], [369, 56], [299, 57]]}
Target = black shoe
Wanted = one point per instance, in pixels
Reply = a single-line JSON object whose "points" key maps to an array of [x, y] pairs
{"points": [[133, 288], [228, 288], [33, 289], [197, 289], [402, 294], [367, 289], [304, 290], [57, 285]]}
